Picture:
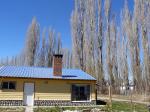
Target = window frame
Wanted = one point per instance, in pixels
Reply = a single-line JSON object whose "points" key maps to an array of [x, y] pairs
{"points": [[81, 85], [8, 82]]}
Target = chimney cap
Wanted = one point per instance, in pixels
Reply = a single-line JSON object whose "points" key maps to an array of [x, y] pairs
{"points": [[58, 55]]}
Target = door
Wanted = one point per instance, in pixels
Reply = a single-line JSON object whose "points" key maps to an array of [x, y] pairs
{"points": [[80, 92], [29, 94]]}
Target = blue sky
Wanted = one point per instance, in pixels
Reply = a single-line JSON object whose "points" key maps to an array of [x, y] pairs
{"points": [[16, 15]]}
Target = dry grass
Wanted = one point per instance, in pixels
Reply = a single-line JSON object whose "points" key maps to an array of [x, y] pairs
{"points": [[135, 97]]}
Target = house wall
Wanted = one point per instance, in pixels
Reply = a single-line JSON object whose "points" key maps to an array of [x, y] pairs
{"points": [[44, 89]]}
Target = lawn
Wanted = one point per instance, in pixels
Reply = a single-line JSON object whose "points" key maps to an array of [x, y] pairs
{"points": [[127, 107], [17, 109], [116, 107], [61, 109]]}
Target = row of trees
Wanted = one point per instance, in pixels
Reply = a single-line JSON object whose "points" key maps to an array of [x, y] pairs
{"points": [[39, 48], [114, 52]]}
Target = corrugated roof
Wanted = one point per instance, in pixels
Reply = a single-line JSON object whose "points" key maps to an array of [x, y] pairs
{"points": [[42, 72]]}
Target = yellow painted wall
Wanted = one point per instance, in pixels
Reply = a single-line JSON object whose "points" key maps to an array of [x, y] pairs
{"points": [[44, 89]]}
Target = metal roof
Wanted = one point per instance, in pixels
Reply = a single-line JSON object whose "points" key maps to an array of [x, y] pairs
{"points": [[43, 72]]}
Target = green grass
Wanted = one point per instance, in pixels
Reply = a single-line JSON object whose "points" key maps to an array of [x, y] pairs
{"points": [[60, 109], [127, 107], [47, 109], [18, 109], [116, 107]]}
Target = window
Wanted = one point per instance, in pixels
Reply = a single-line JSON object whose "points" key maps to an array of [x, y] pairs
{"points": [[80, 92], [8, 85]]}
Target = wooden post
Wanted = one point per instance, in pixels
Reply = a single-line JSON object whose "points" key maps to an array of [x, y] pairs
{"points": [[96, 95], [110, 96], [131, 100]]}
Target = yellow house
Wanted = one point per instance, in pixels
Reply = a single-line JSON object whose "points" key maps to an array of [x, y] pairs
{"points": [[40, 86]]}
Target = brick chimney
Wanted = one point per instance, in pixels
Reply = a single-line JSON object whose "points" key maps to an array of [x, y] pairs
{"points": [[57, 65]]}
